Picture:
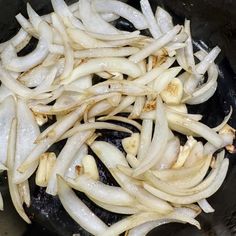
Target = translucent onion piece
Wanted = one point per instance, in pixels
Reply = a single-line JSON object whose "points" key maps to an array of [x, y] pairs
{"points": [[64, 159], [92, 20], [110, 64], [126, 210], [106, 52], [150, 18], [101, 192], [13, 188], [27, 132], [7, 114], [72, 172], [52, 136], [19, 41], [108, 154], [143, 229], [159, 141], [122, 119], [62, 10], [78, 210], [21, 64], [145, 138], [189, 47], [196, 127], [123, 10], [156, 45], [85, 40], [170, 155], [131, 186], [195, 197], [94, 125], [164, 20], [205, 206]]}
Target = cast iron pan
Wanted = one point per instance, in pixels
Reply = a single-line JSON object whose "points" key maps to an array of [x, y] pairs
{"points": [[213, 23]]}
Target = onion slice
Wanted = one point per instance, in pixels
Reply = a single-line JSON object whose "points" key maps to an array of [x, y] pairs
{"points": [[78, 210], [58, 129], [13, 188], [123, 10], [101, 192]]}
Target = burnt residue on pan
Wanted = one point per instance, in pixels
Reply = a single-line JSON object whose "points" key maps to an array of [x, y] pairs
{"points": [[213, 22]]}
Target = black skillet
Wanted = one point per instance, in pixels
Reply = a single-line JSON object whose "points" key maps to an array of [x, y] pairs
{"points": [[213, 23]]}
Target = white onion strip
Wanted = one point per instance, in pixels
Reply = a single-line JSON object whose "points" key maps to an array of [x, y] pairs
{"points": [[13, 188], [150, 18], [195, 197], [110, 64], [59, 128], [94, 125], [101, 192], [158, 143], [20, 64], [123, 10], [64, 159], [92, 20], [156, 45], [27, 132], [78, 210]]}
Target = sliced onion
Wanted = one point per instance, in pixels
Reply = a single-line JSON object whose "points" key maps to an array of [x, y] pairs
{"points": [[85, 40], [27, 132], [162, 81], [54, 134], [7, 114], [19, 41], [202, 67], [126, 210], [122, 119], [110, 64], [196, 127], [143, 229], [189, 47], [101, 192], [145, 138], [164, 20], [131, 186], [34, 18], [94, 125], [106, 52], [150, 18], [170, 155], [124, 87], [159, 141], [156, 45], [26, 25], [108, 154], [195, 197], [21, 64], [13, 188], [155, 72], [114, 37], [62, 10], [77, 161], [205, 206], [92, 20], [123, 10], [64, 159], [78, 210]]}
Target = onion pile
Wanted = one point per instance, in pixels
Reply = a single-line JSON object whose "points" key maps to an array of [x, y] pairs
{"points": [[149, 79]]}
